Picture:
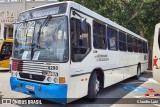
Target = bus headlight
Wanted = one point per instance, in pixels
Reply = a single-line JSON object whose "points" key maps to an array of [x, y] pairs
{"points": [[55, 80], [49, 79]]}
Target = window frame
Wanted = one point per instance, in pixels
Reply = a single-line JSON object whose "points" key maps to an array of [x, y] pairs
{"points": [[135, 46], [124, 42], [140, 46], [146, 46], [97, 35], [77, 46], [131, 43], [116, 39]]}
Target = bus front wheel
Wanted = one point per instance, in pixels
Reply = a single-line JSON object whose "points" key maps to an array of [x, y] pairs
{"points": [[93, 87]]}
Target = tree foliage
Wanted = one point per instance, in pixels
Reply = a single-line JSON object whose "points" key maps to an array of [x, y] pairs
{"points": [[139, 16]]}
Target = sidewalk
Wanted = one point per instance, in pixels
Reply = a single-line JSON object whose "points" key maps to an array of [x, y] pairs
{"points": [[143, 88]]}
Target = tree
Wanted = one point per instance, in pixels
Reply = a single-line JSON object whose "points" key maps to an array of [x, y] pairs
{"points": [[139, 16]]}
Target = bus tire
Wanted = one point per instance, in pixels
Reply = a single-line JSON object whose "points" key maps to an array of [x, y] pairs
{"points": [[93, 87], [138, 72]]}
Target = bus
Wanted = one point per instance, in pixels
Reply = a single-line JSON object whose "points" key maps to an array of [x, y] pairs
{"points": [[156, 55], [5, 54], [64, 51]]}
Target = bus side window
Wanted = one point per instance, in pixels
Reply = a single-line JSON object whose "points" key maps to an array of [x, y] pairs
{"points": [[99, 37], [122, 42], [129, 43], [135, 46], [144, 47], [140, 46], [112, 38]]}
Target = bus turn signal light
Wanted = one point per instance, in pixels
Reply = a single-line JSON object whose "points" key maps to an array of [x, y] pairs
{"points": [[62, 80]]}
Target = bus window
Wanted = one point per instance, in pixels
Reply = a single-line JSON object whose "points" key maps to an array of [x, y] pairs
{"points": [[135, 45], [80, 42], [144, 47], [140, 46], [112, 38], [129, 43], [122, 41], [99, 36], [6, 51]]}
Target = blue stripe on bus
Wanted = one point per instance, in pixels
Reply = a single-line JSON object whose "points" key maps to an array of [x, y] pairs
{"points": [[53, 92]]}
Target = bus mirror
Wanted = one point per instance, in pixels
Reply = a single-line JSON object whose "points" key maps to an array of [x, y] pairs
{"points": [[83, 25]]}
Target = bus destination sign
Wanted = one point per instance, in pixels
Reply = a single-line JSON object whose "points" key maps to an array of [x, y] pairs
{"points": [[43, 11]]}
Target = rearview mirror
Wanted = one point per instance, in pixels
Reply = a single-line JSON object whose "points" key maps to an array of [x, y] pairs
{"points": [[83, 25]]}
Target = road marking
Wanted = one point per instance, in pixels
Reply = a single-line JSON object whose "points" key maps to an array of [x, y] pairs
{"points": [[132, 88]]}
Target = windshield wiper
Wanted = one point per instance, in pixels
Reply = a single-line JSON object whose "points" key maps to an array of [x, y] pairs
{"points": [[39, 34], [42, 26]]}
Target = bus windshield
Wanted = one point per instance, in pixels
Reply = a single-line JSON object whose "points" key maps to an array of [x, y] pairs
{"points": [[42, 39], [6, 50]]}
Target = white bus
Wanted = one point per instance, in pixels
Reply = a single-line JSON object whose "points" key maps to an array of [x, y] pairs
{"points": [[64, 50], [156, 55]]}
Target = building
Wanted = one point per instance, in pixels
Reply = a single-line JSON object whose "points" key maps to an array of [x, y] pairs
{"points": [[9, 11]]}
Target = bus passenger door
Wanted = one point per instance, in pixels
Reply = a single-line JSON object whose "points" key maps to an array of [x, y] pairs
{"points": [[80, 31]]}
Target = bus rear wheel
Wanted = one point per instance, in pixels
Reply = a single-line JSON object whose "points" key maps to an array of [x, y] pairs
{"points": [[93, 87], [138, 72]]}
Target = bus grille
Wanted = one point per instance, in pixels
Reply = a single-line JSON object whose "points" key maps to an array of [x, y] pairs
{"points": [[30, 69], [32, 76]]}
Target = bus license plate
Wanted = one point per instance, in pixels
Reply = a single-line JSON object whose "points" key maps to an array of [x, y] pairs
{"points": [[29, 87]]}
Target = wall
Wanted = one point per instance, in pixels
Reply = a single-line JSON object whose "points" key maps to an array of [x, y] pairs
{"points": [[9, 11]]}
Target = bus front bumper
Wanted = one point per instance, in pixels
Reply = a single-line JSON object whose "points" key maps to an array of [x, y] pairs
{"points": [[53, 92]]}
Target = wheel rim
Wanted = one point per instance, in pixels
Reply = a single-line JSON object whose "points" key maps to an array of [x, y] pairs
{"points": [[97, 86]]}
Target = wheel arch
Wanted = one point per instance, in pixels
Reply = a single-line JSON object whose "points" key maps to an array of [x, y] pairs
{"points": [[100, 75], [139, 65]]}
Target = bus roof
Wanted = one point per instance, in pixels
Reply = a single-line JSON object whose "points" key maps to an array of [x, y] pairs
{"points": [[91, 14]]}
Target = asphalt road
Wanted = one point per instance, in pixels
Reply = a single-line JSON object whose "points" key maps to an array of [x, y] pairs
{"points": [[121, 94]]}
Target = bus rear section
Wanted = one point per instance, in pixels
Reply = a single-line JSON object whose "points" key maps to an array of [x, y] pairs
{"points": [[5, 54], [156, 54]]}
